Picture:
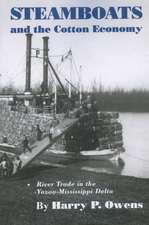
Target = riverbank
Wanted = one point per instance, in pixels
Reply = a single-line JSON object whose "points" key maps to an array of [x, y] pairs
{"points": [[18, 198]]}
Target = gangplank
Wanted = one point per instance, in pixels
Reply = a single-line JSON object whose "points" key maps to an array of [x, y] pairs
{"points": [[40, 146]]}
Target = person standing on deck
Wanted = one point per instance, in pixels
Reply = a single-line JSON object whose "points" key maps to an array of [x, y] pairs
{"points": [[5, 139], [26, 145], [51, 132], [39, 133]]}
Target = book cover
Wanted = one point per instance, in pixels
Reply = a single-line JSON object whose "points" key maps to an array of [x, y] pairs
{"points": [[74, 112]]}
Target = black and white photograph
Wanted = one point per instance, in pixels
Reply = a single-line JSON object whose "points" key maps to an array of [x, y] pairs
{"points": [[74, 112]]}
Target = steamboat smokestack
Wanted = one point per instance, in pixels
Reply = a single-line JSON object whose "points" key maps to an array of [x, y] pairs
{"points": [[28, 62], [45, 64]]}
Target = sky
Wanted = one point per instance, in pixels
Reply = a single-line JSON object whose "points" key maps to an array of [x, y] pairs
{"points": [[113, 59]]}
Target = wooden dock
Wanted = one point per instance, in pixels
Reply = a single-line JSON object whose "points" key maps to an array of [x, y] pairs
{"points": [[45, 143]]}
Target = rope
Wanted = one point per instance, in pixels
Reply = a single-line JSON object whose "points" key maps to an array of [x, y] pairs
{"points": [[135, 157]]}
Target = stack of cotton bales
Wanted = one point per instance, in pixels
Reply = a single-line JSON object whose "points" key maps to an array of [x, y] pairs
{"points": [[109, 130], [95, 130]]}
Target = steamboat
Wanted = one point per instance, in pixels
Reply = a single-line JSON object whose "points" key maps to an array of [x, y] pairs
{"points": [[54, 123]]}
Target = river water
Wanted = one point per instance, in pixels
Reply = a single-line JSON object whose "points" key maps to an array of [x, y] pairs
{"points": [[136, 143]]}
